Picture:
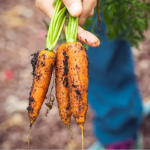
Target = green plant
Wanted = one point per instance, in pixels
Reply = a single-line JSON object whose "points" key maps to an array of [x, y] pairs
{"points": [[125, 19]]}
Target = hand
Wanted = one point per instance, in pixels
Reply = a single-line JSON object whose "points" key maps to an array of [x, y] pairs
{"points": [[76, 8]]}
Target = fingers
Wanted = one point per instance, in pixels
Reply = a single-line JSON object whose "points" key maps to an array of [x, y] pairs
{"points": [[83, 35], [74, 7], [46, 6], [87, 37], [91, 13], [88, 10]]}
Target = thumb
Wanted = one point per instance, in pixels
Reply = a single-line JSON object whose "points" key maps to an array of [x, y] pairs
{"points": [[74, 7]]}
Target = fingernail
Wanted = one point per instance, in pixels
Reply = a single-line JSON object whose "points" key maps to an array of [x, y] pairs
{"points": [[75, 9], [98, 43]]}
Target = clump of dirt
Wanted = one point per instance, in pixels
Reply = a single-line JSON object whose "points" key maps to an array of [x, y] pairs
{"points": [[34, 62], [65, 64]]}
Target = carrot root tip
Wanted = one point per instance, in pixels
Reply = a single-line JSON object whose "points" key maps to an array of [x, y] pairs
{"points": [[82, 137], [30, 130], [69, 128]]}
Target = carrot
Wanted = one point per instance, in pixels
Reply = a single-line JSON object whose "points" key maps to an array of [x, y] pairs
{"points": [[43, 65], [62, 94], [77, 74], [62, 85], [78, 80]]}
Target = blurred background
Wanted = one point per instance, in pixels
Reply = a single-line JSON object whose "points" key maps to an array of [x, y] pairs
{"points": [[22, 33]]}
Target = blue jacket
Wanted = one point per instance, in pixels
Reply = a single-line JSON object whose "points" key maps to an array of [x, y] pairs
{"points": [[113, 92]]}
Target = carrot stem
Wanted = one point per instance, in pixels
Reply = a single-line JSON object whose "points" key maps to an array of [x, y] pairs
{"points": [[60, 18], [55, 26], [51, 47], [71, 29], [55, 13], [51, 24], [76, 28]]}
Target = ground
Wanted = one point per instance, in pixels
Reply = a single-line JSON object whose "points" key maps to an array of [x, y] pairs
{"points": [[22, 33]]}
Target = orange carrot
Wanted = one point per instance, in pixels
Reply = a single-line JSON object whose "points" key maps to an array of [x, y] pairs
{"points": [[43, 63], [77, 73], [78, 81], [62, 85]]}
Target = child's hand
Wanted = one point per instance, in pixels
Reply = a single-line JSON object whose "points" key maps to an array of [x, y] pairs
{"points": [[84, 9]]}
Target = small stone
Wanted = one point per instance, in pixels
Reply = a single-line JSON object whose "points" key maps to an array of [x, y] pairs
{"points": [[14, 104], [72, 145], [10, 35], [10, 46], [2, 42], [2, 76], [6, 145], [28, 13], [17, 119], [24, 11], [25, 137], [24, 52], [144, 64], [136, 52], [25, 74], [12, 99]]}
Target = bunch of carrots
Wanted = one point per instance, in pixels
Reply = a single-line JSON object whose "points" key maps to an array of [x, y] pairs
{"points": [[71, 69]]}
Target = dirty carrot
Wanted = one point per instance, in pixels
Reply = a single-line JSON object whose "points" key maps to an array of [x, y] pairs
{"points": [[78, 81], [62, 85], [58, 19], [62, 94], [43, 63], [77, 74]]}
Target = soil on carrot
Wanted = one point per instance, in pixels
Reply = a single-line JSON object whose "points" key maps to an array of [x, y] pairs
{"points": [[65, 82], [29, 108], [34, 61], [22, 33], [65, 64]]}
